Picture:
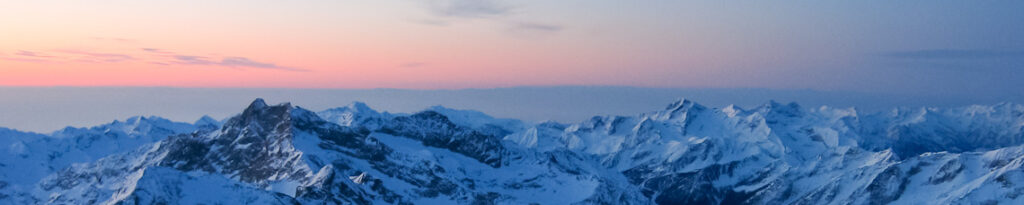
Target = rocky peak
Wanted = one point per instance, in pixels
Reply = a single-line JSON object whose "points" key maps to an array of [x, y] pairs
{"points": [[354, 115], [206, 120], [255, 146], [207, 123], [354, 108], [360, 107], [260, 118], [775, 112], [257, 104], [432, 119], [681, 111]]}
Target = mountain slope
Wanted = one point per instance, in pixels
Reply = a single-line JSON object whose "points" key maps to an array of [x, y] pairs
{"points": [[685, 154], [31, 156]]}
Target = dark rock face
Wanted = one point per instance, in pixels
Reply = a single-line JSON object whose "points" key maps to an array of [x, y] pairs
{"points": [[187, 152], [435, 130], [887, 186], [696, 187], [254, 146], [947, 172], [328, 187]]}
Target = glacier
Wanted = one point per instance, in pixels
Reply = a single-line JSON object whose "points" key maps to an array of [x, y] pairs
{"points": [[686, 153]]}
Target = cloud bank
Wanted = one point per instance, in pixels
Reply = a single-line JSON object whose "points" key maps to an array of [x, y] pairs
{"points": [[468, 8], [446, 12], [233, 62], [151, 55]]}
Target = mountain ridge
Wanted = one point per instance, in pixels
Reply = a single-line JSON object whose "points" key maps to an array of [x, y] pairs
{"points": [[686, 153]]}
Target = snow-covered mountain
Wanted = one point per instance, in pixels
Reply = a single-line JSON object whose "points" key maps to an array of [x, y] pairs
{"points": [[685, 154], [28, 157]]}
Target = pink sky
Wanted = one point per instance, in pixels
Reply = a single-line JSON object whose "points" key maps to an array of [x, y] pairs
{"points": [[484, 44], [308, 46]]}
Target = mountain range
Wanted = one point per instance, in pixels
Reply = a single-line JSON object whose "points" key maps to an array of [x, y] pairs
{"points": [[686, 153]]}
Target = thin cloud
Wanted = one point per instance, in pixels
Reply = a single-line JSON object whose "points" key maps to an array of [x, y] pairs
{"points": [[32, 54], [63, 56], [468, 8], [962, 54], [30, 60], [156, 56], [154, 50], [89, 56], [194, 60], [246, 62], [530, 26], [233, 62], [160, 52], [29, 56], [447, 12]]}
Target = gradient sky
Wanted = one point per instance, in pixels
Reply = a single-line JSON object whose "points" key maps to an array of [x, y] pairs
{"points": [[955, 47]]}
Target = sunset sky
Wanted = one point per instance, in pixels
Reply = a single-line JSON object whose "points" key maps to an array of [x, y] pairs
{"points": [[871, 46]]}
